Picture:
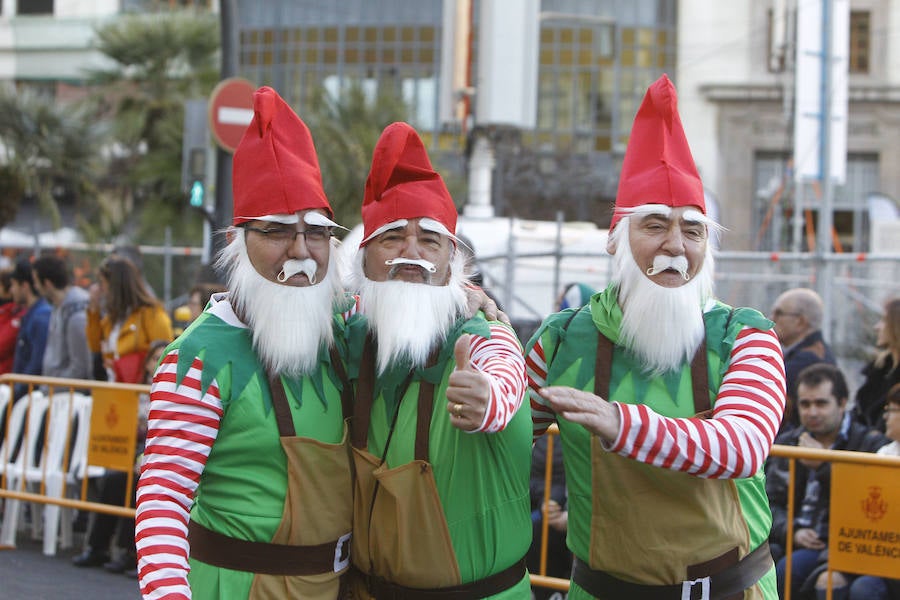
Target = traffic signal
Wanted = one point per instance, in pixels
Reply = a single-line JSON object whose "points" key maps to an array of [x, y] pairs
{"points": [[197, 194]]}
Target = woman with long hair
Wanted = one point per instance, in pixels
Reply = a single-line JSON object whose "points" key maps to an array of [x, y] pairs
{"points": [[884, 371], [123, 318], [125, 325]]}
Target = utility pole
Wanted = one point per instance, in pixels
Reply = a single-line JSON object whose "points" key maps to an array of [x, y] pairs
{"points": [[826, 221], [229, 67], [820, 125]]}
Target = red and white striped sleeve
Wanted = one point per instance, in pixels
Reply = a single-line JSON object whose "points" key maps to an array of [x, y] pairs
{"points": [[500, 358], [542, 416], [735, 442], [182, 427], [353, 309]]}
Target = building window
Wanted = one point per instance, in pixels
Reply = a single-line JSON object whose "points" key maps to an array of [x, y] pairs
{"points": [[36, 7], [575, 86], [403, 59], [860, 41]]}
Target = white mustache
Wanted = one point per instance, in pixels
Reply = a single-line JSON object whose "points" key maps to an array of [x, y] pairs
{"points": [[419, 262], [662, 262], [292, 266]]}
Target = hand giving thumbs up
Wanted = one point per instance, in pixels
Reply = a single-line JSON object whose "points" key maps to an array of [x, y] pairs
{"points": [[468, 389]]}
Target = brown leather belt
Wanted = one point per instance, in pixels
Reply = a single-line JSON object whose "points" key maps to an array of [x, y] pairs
{"points": [[268, 559], [722, 578], [490, 585]]}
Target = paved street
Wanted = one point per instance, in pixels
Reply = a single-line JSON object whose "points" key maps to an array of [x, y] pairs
{"points": [[26, 574]]}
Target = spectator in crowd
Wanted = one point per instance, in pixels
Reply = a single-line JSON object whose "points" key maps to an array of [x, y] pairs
{"points": [[32, 338], [437, 403], [667, 400], [825, 423], [559, 558], [797, 314], [67, 353], [245, 488], [123, 318], [892, 421], [107, 529], [11, 313], [574, 295], [883, 372], [199, 297], [133, 253]]}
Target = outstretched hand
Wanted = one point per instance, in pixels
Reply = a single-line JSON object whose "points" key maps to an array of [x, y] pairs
{"points": [[468, 389], [594, 413]]}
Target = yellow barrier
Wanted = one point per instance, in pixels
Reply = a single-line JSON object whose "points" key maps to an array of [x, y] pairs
{"points": [[60, 456], [842, 496], [858, 468]]}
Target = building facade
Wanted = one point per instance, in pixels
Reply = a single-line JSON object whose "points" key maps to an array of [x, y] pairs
{"points": [[735, 78], [732, 63], [595, 57]]}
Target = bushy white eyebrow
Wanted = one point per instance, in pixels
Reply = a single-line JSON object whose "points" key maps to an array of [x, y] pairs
{"points": [[662, 210], [425, 223]]}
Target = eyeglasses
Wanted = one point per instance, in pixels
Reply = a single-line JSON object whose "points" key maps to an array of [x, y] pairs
{"points": [[891, 409], [282, 236], [784, 313]]}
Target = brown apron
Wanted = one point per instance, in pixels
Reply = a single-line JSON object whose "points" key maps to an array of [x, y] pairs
{"points": [[400, 532], [316, 507], [707, 517]]}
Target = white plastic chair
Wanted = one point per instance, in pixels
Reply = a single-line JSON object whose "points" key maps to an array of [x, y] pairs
{"points": [[28, 415], [5, 395], [9, 428], [72, 420]]}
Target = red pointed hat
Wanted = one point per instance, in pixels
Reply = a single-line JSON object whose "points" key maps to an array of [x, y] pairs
{"points": [[658, 167], [403, 185], [275, 168]]}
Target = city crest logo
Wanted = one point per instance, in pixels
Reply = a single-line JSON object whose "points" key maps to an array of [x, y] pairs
{"points": [[112, 417], [874, 506]]}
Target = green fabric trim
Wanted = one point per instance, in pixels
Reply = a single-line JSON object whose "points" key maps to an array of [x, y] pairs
{"points": [[235, 368], [232, 370], [577, 331]]}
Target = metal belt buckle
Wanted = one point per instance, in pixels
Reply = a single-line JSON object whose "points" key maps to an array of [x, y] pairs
{"points": [[342, 556], [687, 589]]}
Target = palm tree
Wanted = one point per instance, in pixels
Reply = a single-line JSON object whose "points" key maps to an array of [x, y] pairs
{"points": [[159, 61], [50, 150]]}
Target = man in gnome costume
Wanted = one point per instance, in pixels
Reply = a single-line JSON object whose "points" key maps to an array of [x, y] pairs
{"points": [[245, 490], [441, 449], [667, 400]]}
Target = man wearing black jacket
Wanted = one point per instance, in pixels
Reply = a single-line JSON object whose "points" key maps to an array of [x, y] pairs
{"points": [[797, 314], [825, 424]]}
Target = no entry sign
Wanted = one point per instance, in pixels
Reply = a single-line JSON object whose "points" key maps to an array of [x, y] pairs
{"points": [[230, 111]]}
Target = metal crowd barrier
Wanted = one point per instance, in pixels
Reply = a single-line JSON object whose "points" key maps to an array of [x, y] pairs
{"points": [[838, 509], [60, 434]]}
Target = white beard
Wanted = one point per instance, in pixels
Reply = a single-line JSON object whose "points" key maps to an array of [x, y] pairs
{"points": [[662, 326], [290, 325], [407, 319]]}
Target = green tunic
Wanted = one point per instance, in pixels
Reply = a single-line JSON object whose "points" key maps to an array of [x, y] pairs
{"points": [[569, 340], [482, 478], [242, 489]]}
